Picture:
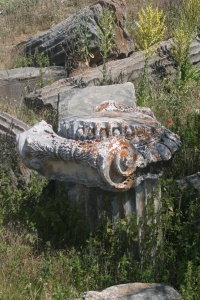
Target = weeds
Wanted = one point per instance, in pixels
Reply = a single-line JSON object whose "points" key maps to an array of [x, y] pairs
{"points": [[183, 37], [190, 290], [108, 257], [149, 34], [77, 47], [82, 41], [106, 34], [172, 10], [176, 108]]}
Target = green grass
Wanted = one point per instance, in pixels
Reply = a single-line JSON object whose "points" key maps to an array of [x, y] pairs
{"points": [[32, 269]]}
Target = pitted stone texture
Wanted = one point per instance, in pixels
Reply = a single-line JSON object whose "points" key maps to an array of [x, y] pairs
{"points": [[115, 148], [111, 119], [135, 291]]}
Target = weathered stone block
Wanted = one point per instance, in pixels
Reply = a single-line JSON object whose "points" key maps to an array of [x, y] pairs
{"points": [[10, 125], [115, 148], [9, 128], [59, 42], [83, 101], [119, 71], [135, 291], [15, 84], [93, 202], [75, 100]]}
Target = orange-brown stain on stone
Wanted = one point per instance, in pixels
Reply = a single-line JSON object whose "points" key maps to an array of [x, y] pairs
{"points": [[103, 131], [135, 156], [124, 153], [102, 106]]}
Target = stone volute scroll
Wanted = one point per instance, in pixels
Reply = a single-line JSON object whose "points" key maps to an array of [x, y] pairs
{"points": [[115, 148]]}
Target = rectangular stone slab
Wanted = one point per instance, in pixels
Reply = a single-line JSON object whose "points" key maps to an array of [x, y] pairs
{"points": [[119, 71], [17, 83], [83, 101]]}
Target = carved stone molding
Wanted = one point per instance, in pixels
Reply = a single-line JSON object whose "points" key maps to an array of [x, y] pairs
{"points": [[115, 148]]}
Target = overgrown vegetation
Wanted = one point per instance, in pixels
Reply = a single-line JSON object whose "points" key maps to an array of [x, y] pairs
{"points": [[46, 248], [149, 33], [106, 33], [83, 40], [22, 18], [183, 37]]}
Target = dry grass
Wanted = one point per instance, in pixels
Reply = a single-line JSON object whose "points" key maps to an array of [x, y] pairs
{"points": [[29, 17], [32, 16], [29, 274], [20, 19], [16, 257]]}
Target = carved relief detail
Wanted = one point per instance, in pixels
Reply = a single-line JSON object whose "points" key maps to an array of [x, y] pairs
{"points": [[114, 149]]}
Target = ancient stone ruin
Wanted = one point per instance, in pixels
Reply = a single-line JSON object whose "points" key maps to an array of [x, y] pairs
{"points": [[103, 149], [105, 146], [115, 148], [61, 41]]}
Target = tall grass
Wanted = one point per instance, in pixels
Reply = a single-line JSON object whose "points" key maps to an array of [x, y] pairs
{"points": [[34, 269], [20, 19]]}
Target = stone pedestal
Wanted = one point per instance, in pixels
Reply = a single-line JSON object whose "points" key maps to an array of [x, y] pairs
{"points": [[110, 154], [142, 202], [94, 201]]}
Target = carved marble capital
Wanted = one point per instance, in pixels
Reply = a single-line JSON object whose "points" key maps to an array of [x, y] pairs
{"points": [[114, 149]]}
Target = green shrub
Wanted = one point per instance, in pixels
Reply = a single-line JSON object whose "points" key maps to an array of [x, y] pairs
{"points": [[183, 36], [106, 34], [149, 33]]}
